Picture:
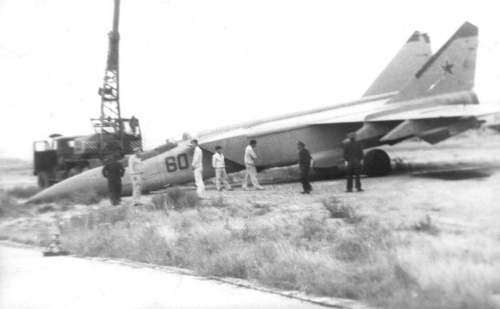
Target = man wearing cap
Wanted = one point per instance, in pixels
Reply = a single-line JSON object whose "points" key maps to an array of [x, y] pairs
{"points": [[304, 165], [137, 174], [251, 171], [113, 171], [220, 169], [353, 156], [197, 167]]}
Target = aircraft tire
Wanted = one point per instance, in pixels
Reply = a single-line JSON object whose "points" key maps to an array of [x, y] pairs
{"points": [[377, 163]]}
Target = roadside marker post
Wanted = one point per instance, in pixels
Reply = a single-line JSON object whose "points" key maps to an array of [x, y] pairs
{"points": [[55, 248]]}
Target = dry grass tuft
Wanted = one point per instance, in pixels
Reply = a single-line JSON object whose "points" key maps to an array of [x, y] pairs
{"points": [[46, 208], [218, 202], [426, 226], [86, 197], [23, 192], [159, 202], [340, 211], [10, 208], [175, 198]]}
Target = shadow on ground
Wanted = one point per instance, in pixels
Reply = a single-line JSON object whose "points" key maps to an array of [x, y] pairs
{"points": [[459, 174]]}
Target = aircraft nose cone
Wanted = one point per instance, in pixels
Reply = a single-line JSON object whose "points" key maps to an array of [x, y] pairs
{"points": [[91, 180]]}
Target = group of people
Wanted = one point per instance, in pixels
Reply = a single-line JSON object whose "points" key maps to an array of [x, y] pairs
{"points": [[113, 170], [353, 157], [218, 163]]}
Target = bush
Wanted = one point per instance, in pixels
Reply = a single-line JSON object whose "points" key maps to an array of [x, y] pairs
{"points": [[245, 234], [229, 263], [175, 198], [340, 211], [89, 197], [152, 247], [218, 202], [352, 248], [363, 243], [426, 226], [98, 218], [9, 208], [46, 208], [159, 202], [312, 228]]}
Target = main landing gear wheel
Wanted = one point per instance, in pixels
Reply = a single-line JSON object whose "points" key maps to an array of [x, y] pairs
{"points": [[377, 163]]}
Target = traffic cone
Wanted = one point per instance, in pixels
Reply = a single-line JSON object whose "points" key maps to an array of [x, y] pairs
{"points": [[55, 249]]}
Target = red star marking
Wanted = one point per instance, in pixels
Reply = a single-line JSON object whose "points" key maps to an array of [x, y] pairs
{"points": [[447, 67]]}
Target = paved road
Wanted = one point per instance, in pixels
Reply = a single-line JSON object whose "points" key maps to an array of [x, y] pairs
{"points": [[28, 280]]}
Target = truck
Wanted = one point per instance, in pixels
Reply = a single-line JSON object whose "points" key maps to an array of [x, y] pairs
{"points": [[66, 156]]}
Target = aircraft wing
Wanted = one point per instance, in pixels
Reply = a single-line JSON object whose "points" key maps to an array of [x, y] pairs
{"points": [[437, 112], [413, 55], [434, 102]]}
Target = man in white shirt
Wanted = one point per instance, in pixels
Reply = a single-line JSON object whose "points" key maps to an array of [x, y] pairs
{"points": [[251, 171], [136, 171], [220, 169], [197, 167]]}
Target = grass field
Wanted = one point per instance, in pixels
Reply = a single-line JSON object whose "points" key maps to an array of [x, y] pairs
{"points": [[425, 239]]}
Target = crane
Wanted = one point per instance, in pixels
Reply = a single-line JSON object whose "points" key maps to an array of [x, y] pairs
{"points": [[67, 156], [110, 126]]}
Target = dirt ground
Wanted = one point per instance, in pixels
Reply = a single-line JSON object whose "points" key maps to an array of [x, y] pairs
{"points": [[455, 183]]}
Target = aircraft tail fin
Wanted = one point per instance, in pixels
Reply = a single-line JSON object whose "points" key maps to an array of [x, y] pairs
{"points": [[411, 57], [451, 69]]}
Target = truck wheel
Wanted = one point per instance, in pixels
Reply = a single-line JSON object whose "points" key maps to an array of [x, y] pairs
{"points": [[377, 163], [44, 180]]}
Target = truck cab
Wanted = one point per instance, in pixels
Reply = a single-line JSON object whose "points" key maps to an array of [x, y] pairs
{"points": [[66, 156], [57, 160]]}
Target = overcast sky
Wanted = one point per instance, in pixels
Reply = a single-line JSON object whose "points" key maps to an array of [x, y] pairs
{"points": [[192, 65]]}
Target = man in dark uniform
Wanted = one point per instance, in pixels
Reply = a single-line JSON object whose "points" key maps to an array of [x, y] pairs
{"points": [[113, 170], [304, 165], [353, 155]]}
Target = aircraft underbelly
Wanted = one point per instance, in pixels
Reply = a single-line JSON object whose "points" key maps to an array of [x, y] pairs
{"points": [[280, 149]]}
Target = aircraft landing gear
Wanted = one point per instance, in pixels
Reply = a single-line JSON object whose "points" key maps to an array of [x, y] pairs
{"points": [[377, 163]]}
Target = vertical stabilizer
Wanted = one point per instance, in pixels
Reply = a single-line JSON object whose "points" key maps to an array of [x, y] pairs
{"points": [[411, 57], [451, 69]]}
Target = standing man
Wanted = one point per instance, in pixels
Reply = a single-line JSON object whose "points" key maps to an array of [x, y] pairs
{"points": [[353, 156], [113, 170], [220, 169], [304, 165], [134, 124], [251, 171], [197, 167], [137, 174]]}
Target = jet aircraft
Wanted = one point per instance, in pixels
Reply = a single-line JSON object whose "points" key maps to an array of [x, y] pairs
{"points": [[419, 94]]}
